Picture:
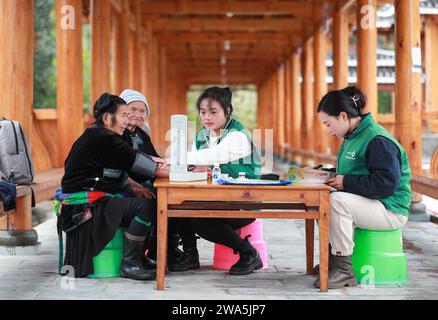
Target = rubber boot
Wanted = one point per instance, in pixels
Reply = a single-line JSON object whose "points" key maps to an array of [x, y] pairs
{"points": [[132, 263], [341, 275], [249, 259], [188, 260], [173, 252]]}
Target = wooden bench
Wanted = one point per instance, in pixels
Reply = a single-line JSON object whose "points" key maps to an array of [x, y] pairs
{"points": [[20, 219]]}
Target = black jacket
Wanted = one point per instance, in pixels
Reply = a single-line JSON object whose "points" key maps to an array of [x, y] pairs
{"points": [[383, 161], [98, 160]]}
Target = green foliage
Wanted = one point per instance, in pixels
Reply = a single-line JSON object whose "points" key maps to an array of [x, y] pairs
{"points": [[45, 76], [45, 65], [384, 102], [244, 103]]}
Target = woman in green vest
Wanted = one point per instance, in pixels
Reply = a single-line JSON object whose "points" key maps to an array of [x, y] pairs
{"points": [[225, 141], [373, 179]]}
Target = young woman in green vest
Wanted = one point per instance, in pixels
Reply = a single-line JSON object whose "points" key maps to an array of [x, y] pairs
{"points": [[373, 179], [225, 141]]}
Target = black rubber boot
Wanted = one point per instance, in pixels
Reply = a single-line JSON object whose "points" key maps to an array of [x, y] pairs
{"points": [[132, 263], [188, 260], [249, 259], [341, 275], [148, 263], [315, 270], [173, 252]]}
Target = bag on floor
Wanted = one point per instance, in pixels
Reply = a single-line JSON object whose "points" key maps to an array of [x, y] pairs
{"points": [[15, 159]]}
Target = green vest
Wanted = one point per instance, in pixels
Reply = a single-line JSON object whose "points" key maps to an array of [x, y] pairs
{"points": [[351, 160], [251, 164]]}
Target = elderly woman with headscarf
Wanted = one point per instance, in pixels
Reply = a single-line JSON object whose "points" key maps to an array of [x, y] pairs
{"points": [[137, 133]]}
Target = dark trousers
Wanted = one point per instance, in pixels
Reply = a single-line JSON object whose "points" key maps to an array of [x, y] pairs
{"points": [[217, 230]]}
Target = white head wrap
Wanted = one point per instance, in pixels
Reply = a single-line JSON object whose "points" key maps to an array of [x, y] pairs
{"points": [[130, 95]]}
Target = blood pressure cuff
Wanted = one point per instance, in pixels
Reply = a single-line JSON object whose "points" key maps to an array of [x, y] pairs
{"points": [[143, 166]]}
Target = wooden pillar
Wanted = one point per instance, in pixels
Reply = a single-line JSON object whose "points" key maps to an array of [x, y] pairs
{"points": [[281, 108], [288, 105], [431, 69], [16, 62], [275, 111], [341, 34], [153, 84], [320, 87], [144, 69], [340, 49], [134, 52], [162, 94], [408, 81], [296, 100], [366, 52], [16, 99], [70, 97], [307, 95], [100, 48], [121, 54]]}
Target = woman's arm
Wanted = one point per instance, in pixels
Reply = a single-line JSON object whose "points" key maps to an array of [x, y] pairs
{"points": [[233, 147], [384, 164]]}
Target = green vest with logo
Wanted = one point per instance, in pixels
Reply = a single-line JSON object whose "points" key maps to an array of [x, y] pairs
{"points": [[351, 160], [250, 164]]}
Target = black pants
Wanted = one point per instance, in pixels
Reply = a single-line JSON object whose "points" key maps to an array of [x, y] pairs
{"points": [[217, 230]]}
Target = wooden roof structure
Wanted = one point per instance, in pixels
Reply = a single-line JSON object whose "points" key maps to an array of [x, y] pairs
{"points": [[162, 47]]}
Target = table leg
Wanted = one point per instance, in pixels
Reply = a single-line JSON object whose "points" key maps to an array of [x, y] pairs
{"points": [[324, 220], [161, 237], [310, 236]]}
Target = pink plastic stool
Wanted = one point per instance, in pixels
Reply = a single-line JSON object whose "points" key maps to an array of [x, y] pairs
{"points": [[224, 257]]}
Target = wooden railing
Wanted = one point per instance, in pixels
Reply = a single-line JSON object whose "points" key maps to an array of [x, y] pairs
{"points": [[425, 184]]}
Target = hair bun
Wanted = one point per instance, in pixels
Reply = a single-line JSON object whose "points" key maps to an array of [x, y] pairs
{"points": [[102, 104], [357, 96]]}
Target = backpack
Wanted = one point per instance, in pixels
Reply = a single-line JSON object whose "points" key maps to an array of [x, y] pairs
{"points": [[15, 158]]}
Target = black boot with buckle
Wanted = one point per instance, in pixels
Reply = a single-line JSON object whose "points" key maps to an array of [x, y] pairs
{"points": [[341, 275], [133, 256], [249, 259]]}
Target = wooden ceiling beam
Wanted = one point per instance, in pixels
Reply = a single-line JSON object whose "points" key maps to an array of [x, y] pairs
{"points": [[301, 10], [233, 37], [229, 79], [226, 25]]}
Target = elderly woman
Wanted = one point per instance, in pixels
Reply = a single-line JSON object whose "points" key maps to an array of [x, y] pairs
{"points": [[137, 133], [96, 197]]}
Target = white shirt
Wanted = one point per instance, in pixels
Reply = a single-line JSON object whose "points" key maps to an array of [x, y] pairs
{"points": [[233, 146]]}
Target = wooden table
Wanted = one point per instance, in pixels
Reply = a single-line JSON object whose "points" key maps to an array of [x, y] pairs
{"points": [[205, 200]]}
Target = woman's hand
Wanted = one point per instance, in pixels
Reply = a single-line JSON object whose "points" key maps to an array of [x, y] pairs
{"points": [[162, 163], [143, 192], [336, 182]]}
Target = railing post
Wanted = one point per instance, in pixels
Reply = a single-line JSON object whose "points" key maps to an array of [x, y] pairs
{"points": [[16, 99], [408, 128]]}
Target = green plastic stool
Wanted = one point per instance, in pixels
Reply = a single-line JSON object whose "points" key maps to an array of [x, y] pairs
{"points": [[107, 263], [378, 257]]}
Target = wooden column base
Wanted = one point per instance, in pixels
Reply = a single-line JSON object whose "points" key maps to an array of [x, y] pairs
{"points": [[16, 238]]}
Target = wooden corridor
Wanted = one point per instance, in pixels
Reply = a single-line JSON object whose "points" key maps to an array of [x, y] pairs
{"points": [[162, 47]]}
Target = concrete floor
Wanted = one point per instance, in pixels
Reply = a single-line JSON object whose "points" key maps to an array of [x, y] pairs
{"points": [[35, 277]]}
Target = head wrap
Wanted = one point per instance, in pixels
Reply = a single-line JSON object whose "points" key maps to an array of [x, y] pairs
{"points": [[130, 95]]}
